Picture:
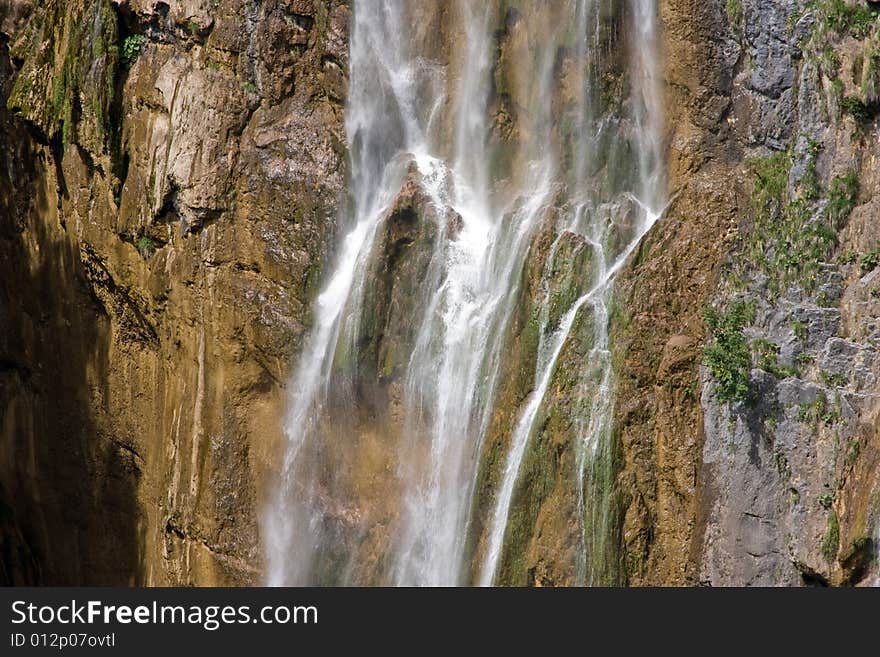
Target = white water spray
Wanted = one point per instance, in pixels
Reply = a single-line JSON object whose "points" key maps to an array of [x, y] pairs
{"points": [[409, 113]]}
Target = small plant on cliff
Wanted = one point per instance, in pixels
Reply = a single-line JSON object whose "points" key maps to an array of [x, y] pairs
{"points": [[855, 19], [734, 13], [810, 180], [146, 247], [836, 89], [863, 19], [728, 355], [856, 108], [854, 448], [831, 540], [767, 359], [800, 330], [843, 193], [829, 62], [870, 261], [767, 352], [781, 463], [848, 258], [833, 379], [131, 48]]}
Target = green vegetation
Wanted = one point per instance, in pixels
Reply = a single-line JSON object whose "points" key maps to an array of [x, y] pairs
{"points": [[825, 500], [781, 463], [146, 247], [860, 543], [728, 356], [831, 540], [856, 108], [767, 359], [843, 193], [766, 352], [854, 19], [829, 63], [810, 181], [633, 563], [734, 13], [70, 91], [818, 411], [867, 79], [788, 239], [131, 48], [833, 379], [848, 258], [824, 301], [837, 95], [869, 261], [830, 417], [800, 331]]}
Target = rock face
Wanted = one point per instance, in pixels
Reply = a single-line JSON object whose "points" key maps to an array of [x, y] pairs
{"points": [[170, 181], [171, 173], [759, 466]]}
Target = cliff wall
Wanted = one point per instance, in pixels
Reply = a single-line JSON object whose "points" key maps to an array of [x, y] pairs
{"points": [[171, 175]]}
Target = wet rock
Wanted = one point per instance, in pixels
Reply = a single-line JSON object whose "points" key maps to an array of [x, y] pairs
{"points": [[220, 156]]}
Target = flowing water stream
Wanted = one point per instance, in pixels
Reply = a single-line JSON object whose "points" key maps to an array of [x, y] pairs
{"points": [[471, 150]]}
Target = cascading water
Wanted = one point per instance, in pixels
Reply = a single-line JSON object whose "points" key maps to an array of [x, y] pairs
{"points": [[454, 178], [596, 229]]}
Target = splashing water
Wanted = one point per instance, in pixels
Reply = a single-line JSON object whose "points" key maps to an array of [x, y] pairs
{"points": [[378, 479]]}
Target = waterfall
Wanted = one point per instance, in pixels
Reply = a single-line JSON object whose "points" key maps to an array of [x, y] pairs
{"points": [[386, 117], [647, 195], [459, 163]]}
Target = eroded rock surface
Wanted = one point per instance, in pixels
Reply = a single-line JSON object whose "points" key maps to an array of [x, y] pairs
{"points": [[172, 172]]}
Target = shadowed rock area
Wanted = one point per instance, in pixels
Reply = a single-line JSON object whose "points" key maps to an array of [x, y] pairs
{"points": [[171, 172]]}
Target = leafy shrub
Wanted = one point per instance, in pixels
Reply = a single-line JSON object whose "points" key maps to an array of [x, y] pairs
{"points": [[800, 330], [146, 247], [833, 379], [728, 356], [825, 500], [803, 358], [869, 261], [856, 108], [767, 358], [131, 48]]}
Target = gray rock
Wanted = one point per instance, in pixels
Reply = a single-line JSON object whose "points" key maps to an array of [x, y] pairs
{"points": [[773, 70], [839, 355], [795, 392]]}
